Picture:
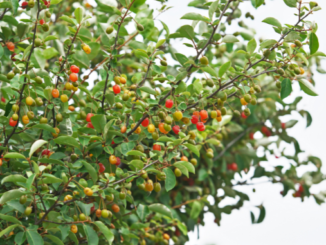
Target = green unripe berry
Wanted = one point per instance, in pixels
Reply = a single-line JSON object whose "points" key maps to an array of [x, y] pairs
{"points": [[223, 111], [140, 27], [247, 98], [257, 88], [177, 172], [109, 30], [203, 60], [163, 63], [278, 84], [10, 75], [280, 71], [247, 112], [38, 42], [267, 53], [157, 187], [298, 43]]}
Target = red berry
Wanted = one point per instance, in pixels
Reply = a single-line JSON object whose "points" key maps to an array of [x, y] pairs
{"points": [[251, 135], [12, 123], [283, 125], [118, 161], [88, 117], [90, 125], [156, 147], [232, 166], [42, 21], [301, 189], [145, 122], [12, 57], [200, 126], [176, 129], [266, 131], [92, 209], [46, 152], [203, 114], [74, 69], [169, 103], [112, 142], [194, 119], [24, 5], [102, 168], [297, 194], [243, 115], [116, 89], [3, 100]]}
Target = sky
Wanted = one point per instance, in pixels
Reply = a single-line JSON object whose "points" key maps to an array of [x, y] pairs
{"points": [[288, 220]]}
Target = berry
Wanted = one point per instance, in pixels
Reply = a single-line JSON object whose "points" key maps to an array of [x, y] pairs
{"points": [[115, 208], [10, 75], [176, 129], [118, 161], [251, 135], [24, 5], [74, 229], [89, 116], [200, 126], [177, 116], [116, 89], [149, 186], [168, 104], [25, 119], [88, 191], [89, 125], [151, 128], [55, 93], [46, 152], [203, 60], [113, 159], [233, 166], [12, 123], [194, 119], [243, 115], [74, 69], [123, 129], [64, 98], [102, 168], [109, 30], [42, 21], [73, 77], [283, 125], [145, 122], [203, 114], [156, 147], [87, 49], [157, 187], [3, 100], [140, 27], [28, 211]]}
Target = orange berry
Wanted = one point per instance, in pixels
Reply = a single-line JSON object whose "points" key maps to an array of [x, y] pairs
{"points": [[73, 77], [71, 108], [161, 128], [115, 208], [184, 159], [55, 93]]}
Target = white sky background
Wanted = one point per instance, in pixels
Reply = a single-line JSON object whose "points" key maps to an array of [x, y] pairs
{"points": [[288, 221]]}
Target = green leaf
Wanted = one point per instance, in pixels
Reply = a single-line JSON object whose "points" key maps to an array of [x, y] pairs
{"points": [[261, 215], [92, 237], [53, 2], [14, 155], [226, 66], [30, 181], [109, 236], [67, 140], [45, 127], [182, 168], [286, 88], [307, 87], [79, 14], [136, 153], [291, 3], [14, 178], [148, 90], [196, 209], [188, 166], [303, 58], [68, 19], [36, 145], [193, 148], [142, 211], [257, 3], [8, 229], [49, 38], [22, 29], [187, 31], [50, 53], [10, 218], [137, 163], [98, 122], [272, 21], [34, 238], [140, 53], [54, 239], [209, 70], [313, 43], [91, 170], [50, 179], [73, 237], [268, 43], [20, 238], [195, 16], [230, 39], [198, 86], [160, 208], [10, 195], [165, 139], [212, 9], [170, 180], [160, 43]]}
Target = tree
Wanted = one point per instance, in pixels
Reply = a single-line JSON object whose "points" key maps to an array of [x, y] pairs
{"points": [[103, 141]]}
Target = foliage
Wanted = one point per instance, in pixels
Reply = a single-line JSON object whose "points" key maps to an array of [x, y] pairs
{"points": [[129, 152]]}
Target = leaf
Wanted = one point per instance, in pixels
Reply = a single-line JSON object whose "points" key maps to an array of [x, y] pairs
{"points": [[160, 43], [165, 139], [196, 209], [10, 218], [79, 14], [170, 180], [105, 231], [268, 43], [50, 179], [303, 58], [36, 145], [53, 2], [20, 238], [45, 127], [187, 165], [195, 16], [230, 39], [50, 53], [313, 43], [272, 21], [14, 155], [14, 178], [261, 215], [142, 211], [148, 90], [98, 122], [49, 38], [91, 170], [193, 148], [92, 237], [136, 153], [67, 140], [22, 29], [8, 229], [68, 19], [54, 239], [137, 163], [198, 86], [34, 238], [160, 208], [226, 66], [251, 46], [209, 70], [291, 3], [307, 87], [257, 3], [187, 31], [286, 88], [212, 9], [182, 168]]}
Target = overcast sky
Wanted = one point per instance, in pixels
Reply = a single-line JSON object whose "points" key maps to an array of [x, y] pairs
{"points": [[288, 221]]}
